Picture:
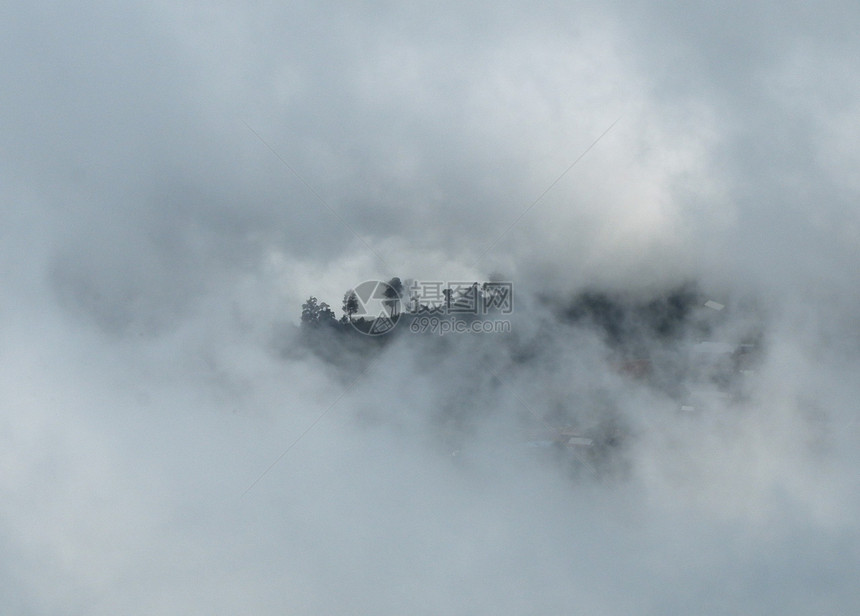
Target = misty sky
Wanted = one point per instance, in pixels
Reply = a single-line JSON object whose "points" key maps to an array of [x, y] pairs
{"points": [[176, 179]]}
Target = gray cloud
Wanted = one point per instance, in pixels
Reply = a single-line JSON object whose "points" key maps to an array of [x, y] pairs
{"points": [[155, 253]]}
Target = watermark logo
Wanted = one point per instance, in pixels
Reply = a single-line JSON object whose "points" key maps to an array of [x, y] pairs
{"points": [[373, 307], [460, 298], [432, 324]]}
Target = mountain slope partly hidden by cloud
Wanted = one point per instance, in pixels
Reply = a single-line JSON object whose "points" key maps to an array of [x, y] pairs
{"points": [[177, 181]]}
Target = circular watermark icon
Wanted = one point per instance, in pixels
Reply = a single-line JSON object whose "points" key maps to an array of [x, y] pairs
{"points": [[373, 307]]}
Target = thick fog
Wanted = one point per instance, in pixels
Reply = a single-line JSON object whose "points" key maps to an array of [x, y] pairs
{"points": [[670, 190]]}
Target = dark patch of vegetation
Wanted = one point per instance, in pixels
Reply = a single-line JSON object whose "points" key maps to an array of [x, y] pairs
{"points": [[655, 340]]}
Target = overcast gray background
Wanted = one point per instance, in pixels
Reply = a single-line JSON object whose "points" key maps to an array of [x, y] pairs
{"points": [[154, 255]]}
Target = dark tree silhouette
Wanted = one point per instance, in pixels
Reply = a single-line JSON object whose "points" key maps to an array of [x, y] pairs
{"points": [[447, 293], [393, 293], [350, 305], [326, 314], [315, 313], [310, 311]]}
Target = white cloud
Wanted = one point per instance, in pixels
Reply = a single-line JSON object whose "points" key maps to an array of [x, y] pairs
{"points": [[155, 252]]}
